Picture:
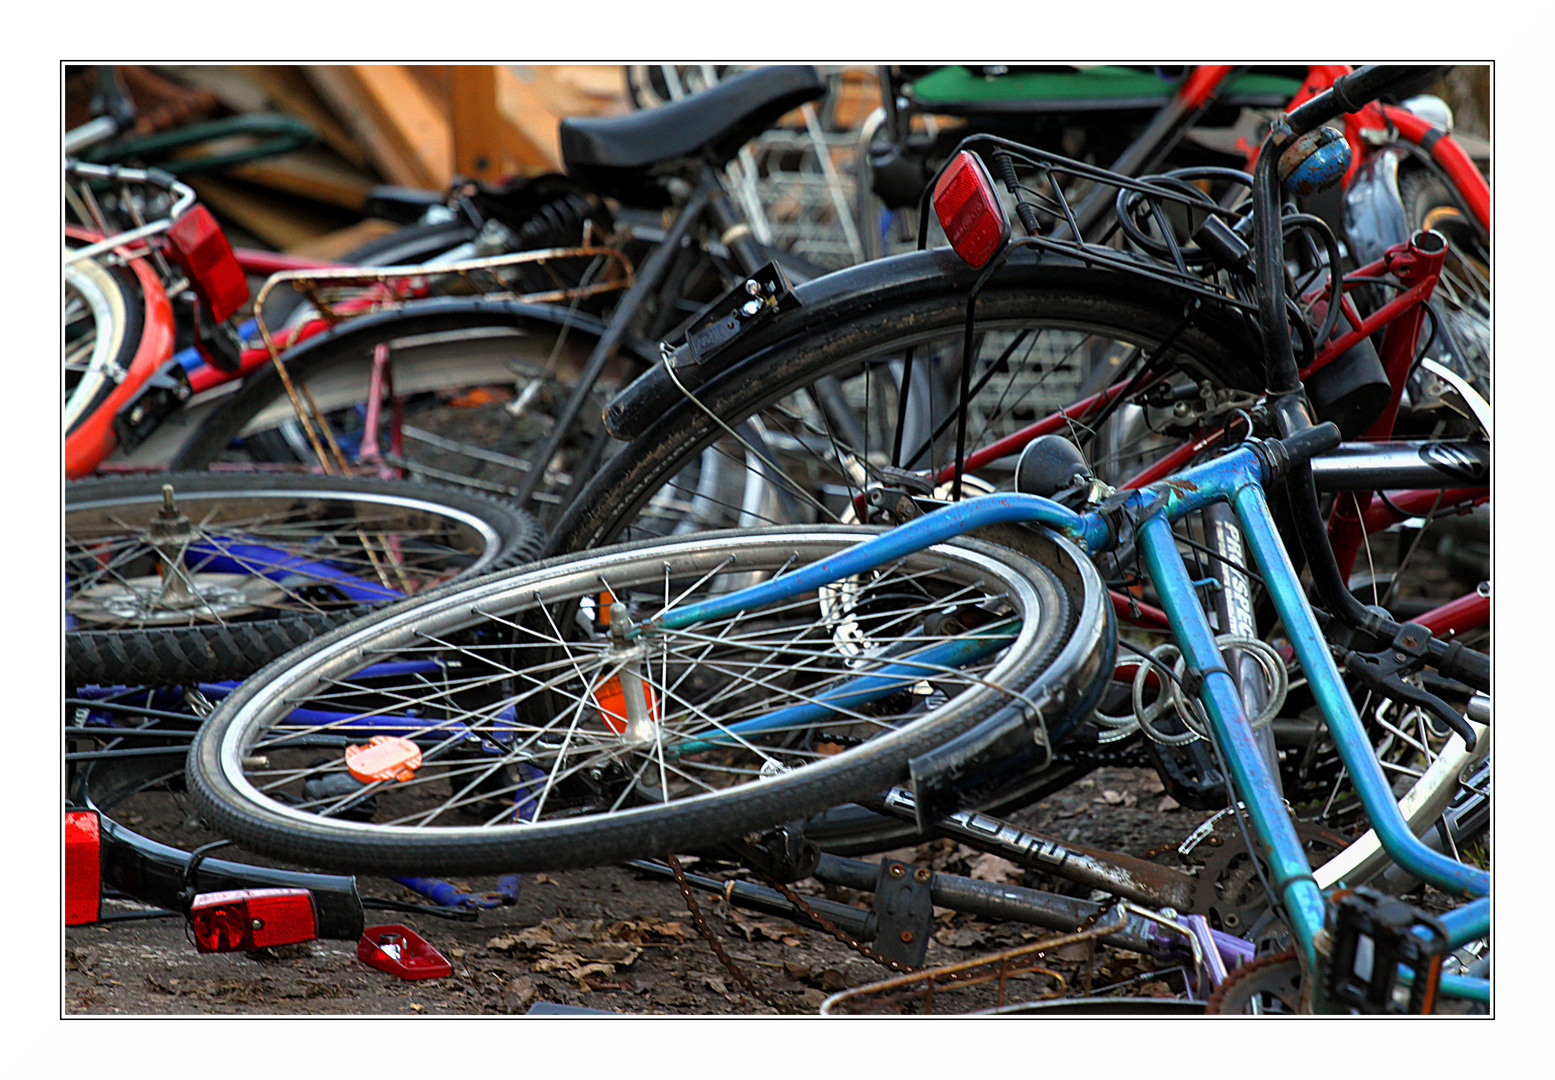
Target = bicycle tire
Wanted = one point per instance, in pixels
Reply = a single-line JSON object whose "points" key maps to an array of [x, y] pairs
{"points": [[851, 324], [116, 308], [261, 585], [456, 367], [787, 772]]}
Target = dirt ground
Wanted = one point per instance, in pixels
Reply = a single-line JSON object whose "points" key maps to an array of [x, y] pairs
{"points": [[611, 939]]}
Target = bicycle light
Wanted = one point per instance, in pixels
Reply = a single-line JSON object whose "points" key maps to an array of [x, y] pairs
{"points": [[244, 919], [83, 867], [969, 210], [201, 248]]}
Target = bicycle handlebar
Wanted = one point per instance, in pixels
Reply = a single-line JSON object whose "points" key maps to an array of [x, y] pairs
{"points": [[1351, 92]]}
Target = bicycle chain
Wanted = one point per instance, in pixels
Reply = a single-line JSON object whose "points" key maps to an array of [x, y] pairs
{"points": [[711, 937], [1255, 970], [835, 931]]}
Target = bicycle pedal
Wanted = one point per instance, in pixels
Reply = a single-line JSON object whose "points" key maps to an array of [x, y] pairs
{"points": [[1380, 954]]}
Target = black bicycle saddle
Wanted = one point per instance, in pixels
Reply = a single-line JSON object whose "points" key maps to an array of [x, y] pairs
{"points": [[622, 156]]}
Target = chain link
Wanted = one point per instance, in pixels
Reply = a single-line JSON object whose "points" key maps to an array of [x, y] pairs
{"points": [[711, 936]]}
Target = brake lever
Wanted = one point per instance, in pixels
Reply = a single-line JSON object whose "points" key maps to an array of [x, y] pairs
{"points": [[1383, 672]]}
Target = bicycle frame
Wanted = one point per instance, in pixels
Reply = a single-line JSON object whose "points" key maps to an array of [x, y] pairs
{"points": [[1236, 477]]}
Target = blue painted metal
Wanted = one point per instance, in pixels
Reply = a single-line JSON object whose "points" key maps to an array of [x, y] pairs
{"points": [[887, 680], [1462, 986], [1256, 787], [1344, 726], [1314, 162], [447, 894], [1467, 923], [932, 528], [221, 555]]}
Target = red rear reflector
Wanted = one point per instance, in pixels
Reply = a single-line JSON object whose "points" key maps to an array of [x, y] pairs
{"points": [[83, 867], [245, 919], [385, 757], [969, 210], [401, 951], [203, 251]]}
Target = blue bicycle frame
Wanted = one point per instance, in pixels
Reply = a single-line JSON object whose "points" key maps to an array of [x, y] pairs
{"points": [[1236, 477]]}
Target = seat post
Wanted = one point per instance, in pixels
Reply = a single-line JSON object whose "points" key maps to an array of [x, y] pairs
{"points": [[734, 232]]}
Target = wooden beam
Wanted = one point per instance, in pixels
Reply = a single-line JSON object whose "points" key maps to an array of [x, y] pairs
{"points": [[478, 132], [530, 121], [403, 134], [336, 244], [290, 93], [314, 175], [411, 118], [581, 89], [277, 220]]}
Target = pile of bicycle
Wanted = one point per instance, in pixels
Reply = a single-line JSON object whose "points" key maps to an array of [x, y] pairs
{"points": [[571, 524]]}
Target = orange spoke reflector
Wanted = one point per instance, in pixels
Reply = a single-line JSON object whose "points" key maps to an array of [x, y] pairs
{"points": [[610, 697], [385, 757]]}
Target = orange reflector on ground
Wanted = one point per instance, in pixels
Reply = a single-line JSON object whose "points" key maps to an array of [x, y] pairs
{"points": [[385, 757], [610, 697]]}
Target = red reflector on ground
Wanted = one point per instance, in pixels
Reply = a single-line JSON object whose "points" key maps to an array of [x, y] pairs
{"points": [[83, 867], [401, 951], [245, 919], [969, 210], [203, 251]]}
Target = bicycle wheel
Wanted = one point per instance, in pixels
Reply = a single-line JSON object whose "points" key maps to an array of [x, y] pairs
{"points": [[802, 421], [1463, 293], [468, 392], [230, 571], [534, 730], [104, 316]]}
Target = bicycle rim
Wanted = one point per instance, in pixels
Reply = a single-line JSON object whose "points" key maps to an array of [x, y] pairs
{"points": [[532, 753]]}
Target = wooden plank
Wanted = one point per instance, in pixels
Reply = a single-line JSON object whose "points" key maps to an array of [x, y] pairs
{"points": [[478, 132], [335, 244], [278, 220], [581, 89], [347, 99], [530, 122], [410, 118], [290, 93], [316, 175], [231, 86]]}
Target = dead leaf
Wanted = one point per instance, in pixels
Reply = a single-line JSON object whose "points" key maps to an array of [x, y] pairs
{"points": [[761, 929], [1111, 798], [993, 868], [1080, 950], [169, 987], [960, 937], [1167, 803], [716, 984]]}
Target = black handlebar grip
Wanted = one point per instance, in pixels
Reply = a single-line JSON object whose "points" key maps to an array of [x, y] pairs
{"points": [[1464, 664], [1353, 91], [1310, 442]]}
